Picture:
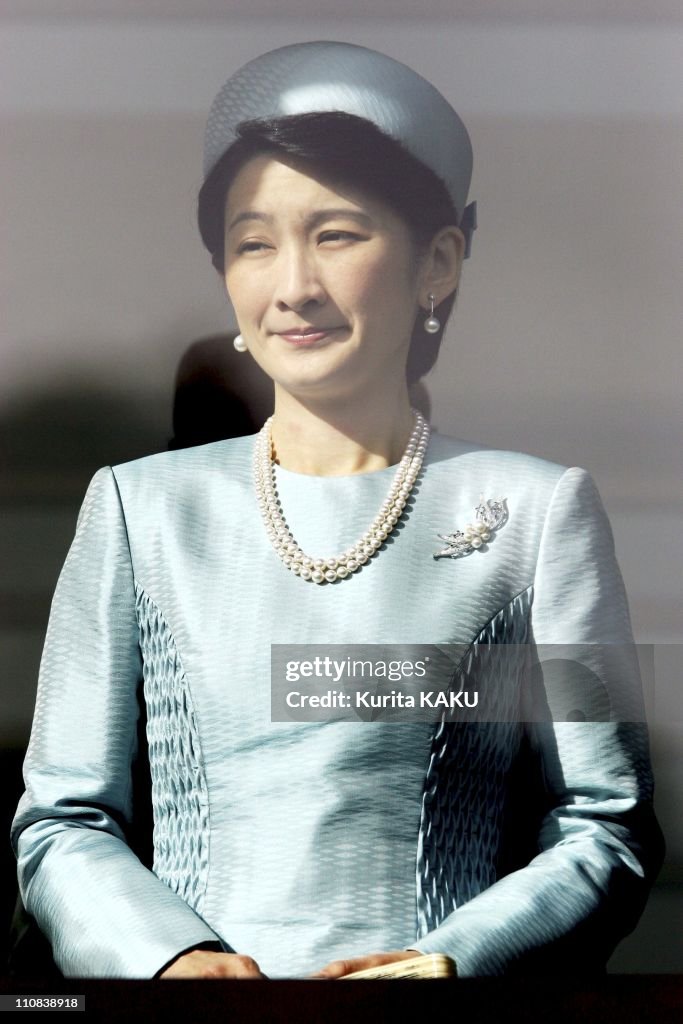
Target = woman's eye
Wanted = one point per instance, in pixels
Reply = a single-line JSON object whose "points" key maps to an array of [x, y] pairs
{"points": [[251, 246], [338, 236]]}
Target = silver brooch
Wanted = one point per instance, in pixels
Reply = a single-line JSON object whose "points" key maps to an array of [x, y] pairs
{"points": [[491, 514]]}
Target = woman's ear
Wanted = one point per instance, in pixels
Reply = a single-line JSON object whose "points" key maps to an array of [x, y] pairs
{"points": [[442, 265]]}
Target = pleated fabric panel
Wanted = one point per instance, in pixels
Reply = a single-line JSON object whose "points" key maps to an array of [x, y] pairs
{"points": [[179, 790]]}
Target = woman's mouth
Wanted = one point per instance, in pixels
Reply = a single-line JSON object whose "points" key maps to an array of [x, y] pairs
{"points": [[307, 336]]}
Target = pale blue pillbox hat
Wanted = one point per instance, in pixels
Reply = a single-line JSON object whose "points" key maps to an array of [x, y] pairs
{"points": [[333, 76]]}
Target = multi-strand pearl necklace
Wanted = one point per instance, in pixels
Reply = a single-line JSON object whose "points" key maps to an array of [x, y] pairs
{"points": [[327, 570]]}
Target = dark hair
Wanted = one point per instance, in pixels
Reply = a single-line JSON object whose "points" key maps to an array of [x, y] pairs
{"points": [[348, 149]]}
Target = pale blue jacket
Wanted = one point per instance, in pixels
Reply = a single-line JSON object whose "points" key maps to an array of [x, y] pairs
{"points": [[298, 843]]}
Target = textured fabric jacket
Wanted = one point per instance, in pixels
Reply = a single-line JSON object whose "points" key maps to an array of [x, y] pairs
{"points": [[509, 846]]}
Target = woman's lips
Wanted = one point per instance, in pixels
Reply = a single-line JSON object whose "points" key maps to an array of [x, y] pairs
{"points": [[310, 336]]}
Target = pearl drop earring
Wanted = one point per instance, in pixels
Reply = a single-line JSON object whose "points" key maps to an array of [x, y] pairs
{"points": [[239, 343], [432, 324]]}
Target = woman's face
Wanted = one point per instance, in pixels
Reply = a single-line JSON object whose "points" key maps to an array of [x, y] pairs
{"points": [[324, 280]]}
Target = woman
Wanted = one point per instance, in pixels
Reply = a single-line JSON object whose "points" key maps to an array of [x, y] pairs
{"points": [[334, 205]]}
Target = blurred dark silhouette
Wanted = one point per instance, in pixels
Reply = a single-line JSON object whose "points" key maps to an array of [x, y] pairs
{"points": [[219, 393], [53, 440], [420, 400]]}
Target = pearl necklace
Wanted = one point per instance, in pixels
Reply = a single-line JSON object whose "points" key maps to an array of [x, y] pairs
{"points": [[327, 570]]}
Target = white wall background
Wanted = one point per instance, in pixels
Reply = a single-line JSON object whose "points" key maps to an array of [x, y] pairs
{"points": [[566, 340]]}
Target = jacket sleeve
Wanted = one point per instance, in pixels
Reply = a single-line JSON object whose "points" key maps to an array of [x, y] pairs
{"points": [[104, 913], [599, 845]]}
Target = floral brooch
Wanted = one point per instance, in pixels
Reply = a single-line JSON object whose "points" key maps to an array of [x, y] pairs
{"points": [[490, 513]]}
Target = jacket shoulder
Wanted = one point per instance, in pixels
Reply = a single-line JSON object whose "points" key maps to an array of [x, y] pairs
{"points": [[185, 464], [497, 467]]}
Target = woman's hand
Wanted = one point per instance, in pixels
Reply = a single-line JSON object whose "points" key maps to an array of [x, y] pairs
{"points": [[204, 963], [338, 968]]}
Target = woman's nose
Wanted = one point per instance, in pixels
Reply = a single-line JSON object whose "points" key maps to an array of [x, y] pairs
{"points": [[299, 281]]}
